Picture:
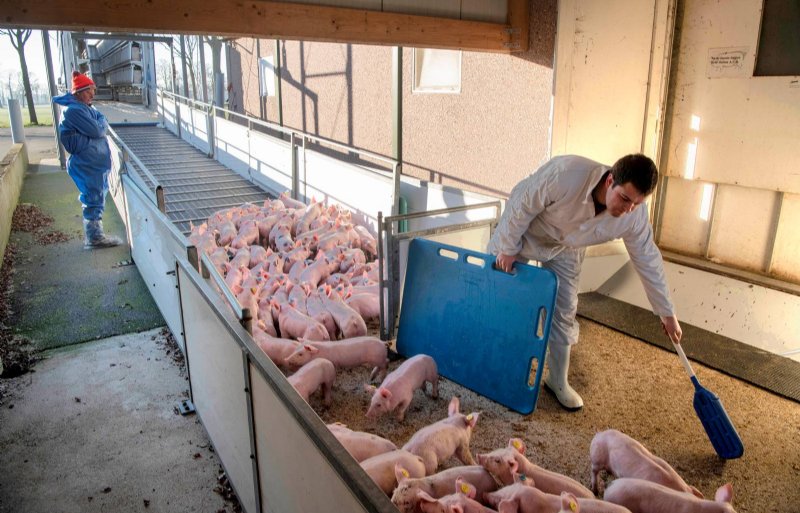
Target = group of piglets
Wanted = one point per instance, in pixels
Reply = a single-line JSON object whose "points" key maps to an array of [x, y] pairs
{"points": [[309, 278], [506, 481]]}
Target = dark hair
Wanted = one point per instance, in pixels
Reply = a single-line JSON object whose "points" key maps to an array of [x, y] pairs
{"points": [[637, 169]]}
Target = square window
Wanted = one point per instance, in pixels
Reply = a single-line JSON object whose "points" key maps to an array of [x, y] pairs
{"points": [[436, 71], [779, 41]]}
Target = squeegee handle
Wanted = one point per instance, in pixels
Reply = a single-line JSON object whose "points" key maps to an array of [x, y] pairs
{"points": [[684, 360]]}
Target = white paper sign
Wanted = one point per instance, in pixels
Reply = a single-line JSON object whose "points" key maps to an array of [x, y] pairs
{"points": [[728, 62]]}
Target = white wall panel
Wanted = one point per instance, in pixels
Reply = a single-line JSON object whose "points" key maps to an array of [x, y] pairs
{"points": [[217, 373], [153, 247], [747, 125], [365, 192], [742, 226], [233, 145], [168, 110], [602, 76], [762, 317], [271, 162], [682, 228], [787, 241], [294, 476]]}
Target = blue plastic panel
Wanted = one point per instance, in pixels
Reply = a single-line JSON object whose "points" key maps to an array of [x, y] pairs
{"points": [[479, 324]]}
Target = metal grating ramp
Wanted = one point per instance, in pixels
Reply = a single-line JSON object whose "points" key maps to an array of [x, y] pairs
{"points": [[195, 186], [772, 372]]}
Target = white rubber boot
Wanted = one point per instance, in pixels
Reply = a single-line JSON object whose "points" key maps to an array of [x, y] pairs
{"points": [[96, 238], [556, 380]]}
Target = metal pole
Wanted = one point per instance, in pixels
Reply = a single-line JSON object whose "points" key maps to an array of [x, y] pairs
{"points": [[397, 104], [278, 97], [201, 44], [17, 125], [261, 80], [51, 83], [183, 67]]}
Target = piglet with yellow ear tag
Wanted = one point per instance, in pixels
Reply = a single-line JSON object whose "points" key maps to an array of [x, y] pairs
{"points": [[523, 497], [505, 463], [569, 503], [463, 501]]}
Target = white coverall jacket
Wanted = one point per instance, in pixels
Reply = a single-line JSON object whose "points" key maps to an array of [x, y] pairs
{"points": [[550, 217]]}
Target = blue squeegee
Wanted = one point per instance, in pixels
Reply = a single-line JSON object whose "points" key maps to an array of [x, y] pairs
{"points": [[712, 414]]}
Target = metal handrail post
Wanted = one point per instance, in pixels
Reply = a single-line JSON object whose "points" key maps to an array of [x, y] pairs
{"points": [[212, 135], [293, 155]]}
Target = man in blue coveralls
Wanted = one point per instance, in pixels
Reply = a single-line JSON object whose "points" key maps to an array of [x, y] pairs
{"points": [[83, 134]]}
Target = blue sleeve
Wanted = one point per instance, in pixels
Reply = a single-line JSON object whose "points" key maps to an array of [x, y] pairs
{"points": [[86, 121]]}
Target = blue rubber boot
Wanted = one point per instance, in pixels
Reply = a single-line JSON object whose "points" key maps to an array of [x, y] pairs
{"points": [[95, 238]]}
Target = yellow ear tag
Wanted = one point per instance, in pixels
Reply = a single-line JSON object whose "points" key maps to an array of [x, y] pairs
{"points": [[517, 444], [464, 488], [573, 505], [469, 418], [405, 473]]}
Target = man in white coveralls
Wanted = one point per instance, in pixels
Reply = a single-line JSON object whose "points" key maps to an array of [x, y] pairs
{"points": [[570, 203]]}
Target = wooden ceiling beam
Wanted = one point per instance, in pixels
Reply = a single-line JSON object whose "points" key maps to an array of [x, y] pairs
{"points": [[257, 18]]}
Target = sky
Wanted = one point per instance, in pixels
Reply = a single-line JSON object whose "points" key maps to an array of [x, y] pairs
{"points": [[34, 54]]}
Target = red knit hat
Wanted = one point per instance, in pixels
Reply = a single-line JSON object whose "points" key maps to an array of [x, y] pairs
{"points": [[80, 82]]}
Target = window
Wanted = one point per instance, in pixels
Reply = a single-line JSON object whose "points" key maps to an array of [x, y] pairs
{"points": [[779, 42], [436, 71], [266, 76]]}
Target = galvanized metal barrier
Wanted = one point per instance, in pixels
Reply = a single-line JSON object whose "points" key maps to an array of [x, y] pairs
{"points": [[393, 248]]}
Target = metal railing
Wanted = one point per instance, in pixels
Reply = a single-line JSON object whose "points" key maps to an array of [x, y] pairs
{"points": [[296, 139], [156, 193], [389, 239]]}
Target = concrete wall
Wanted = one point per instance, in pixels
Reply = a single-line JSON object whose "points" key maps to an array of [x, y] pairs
{"points": [[12, 173], [484, 139]]}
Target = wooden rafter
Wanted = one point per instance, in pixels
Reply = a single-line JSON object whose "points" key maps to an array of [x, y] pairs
{"points": [[256, 18]]}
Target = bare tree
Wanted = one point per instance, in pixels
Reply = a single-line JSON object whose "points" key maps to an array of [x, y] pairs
{"points": [[18, 39], [165, 73], [191, 47]]}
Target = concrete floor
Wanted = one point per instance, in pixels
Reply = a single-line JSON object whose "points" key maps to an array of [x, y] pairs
{"points": [[94, 426]]}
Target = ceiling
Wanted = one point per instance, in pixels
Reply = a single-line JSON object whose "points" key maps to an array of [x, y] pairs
{"points": [[478, 25]]}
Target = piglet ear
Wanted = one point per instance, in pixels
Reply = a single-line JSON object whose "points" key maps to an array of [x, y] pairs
{"points": [[452, 408], [369, 388], [569, 503], [507, 506], [424, 497], [465, 488], [472, 419], [517, 444], [400, 473], [385, 392], [724, 493]]}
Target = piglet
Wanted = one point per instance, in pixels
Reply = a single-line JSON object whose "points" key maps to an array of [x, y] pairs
{"points": [[359, 444], [277, 349], [462, 501], [405, 496], [381, 468], [397, 390], [346, 353], [295, 324], [622, 456], [523, 497], [439, 441], [642, 496], [316, 374], [507, 462]]}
